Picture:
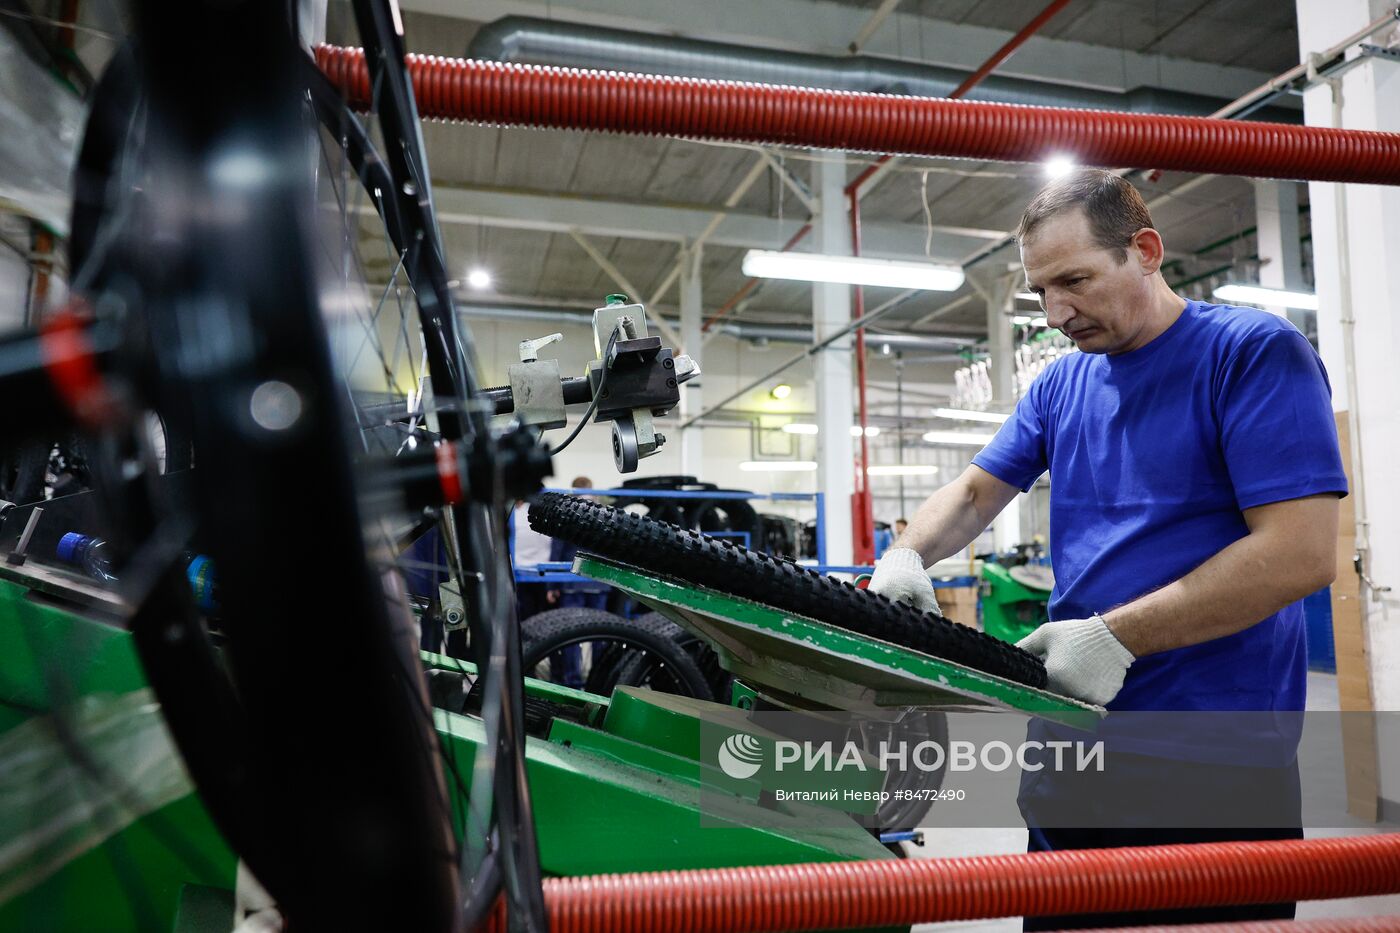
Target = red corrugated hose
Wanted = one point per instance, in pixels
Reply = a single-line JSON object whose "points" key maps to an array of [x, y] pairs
{"points": [[570, 98], [855, 895]]}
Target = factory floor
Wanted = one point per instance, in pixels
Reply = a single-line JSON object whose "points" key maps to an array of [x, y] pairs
{"points": [[951, 843]]}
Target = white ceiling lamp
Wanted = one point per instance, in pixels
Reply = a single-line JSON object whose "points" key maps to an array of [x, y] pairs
{"points": [[479, 279], [1059, 167], [967, 414], [1259, 295], [958, 438], [798, 427], [903, 469], [1030, 320], [851, 270], [778, 466], [1027, 296]]}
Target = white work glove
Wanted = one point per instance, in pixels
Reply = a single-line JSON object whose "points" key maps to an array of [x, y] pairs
{"points": [[900, 576], [1082, 658]]}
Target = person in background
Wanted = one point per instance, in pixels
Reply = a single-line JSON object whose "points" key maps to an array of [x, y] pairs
{"points": [[884, 538], [899, 526], [529, 549]]}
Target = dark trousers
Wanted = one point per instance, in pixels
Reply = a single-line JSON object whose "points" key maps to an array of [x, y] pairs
{"points": [[569, 663], [1118, 806]]}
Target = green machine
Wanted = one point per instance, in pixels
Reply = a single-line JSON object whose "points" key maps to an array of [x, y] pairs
{"points": [[105, 830], [1014, 599]]}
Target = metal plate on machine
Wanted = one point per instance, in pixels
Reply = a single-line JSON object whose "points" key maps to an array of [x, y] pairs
{"points": [[811, 665], [1033, 576]]}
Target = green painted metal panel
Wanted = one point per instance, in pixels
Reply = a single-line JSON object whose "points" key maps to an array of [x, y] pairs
{"points": [[807, 664], [618, 805], [52, 654], [599, 812]]}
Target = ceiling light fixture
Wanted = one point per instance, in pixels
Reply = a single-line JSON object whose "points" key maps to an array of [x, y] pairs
{"points": [[851, 270], [798, 427], [1031, 320], [780, 391], [479, 279], [967, 414], [958, 438], [1059, 166], [1028, 296], [778, 466], [1259, 295], [903, 469]]}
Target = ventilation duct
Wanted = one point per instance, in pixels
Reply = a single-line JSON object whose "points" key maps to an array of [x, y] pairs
{"points": [[527, 40]]}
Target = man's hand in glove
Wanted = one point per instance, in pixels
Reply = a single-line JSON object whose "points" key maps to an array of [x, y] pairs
{"points": [[900, 576], [1082, 658]]}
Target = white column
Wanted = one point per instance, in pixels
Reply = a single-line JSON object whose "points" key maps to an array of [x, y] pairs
{"points": [[692, 396], [1280, 252], [1370, 269], [831, 311], [1000, 295]]}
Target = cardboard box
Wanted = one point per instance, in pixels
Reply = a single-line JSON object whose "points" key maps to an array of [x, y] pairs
{"points": [[959, 603]]}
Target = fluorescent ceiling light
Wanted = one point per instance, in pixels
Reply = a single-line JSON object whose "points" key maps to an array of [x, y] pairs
{"points": [[780, 391], [851, 270], [1028, 296], [1059, 166], [778, 466], [798, 427], [958, 438], [1258, 295], [903, 469], [1033, 321], [965, 414], [479, 278]]}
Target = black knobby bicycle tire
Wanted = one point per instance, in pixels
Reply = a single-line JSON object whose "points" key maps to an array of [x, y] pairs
{"points": [[722, 565]]}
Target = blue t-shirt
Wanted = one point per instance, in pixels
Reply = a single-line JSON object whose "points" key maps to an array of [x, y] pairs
{"points": [[1154, 455]]}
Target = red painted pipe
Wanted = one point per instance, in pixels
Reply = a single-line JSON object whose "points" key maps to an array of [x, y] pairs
{"points": [[1011, 45], [895, 892], [534, 95]]}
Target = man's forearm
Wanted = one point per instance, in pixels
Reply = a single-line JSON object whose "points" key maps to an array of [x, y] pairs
{"points": [[1240, 586], [948, 521]]}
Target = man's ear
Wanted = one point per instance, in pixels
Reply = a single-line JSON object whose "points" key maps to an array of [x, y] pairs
{"points": [[1147, 248]]}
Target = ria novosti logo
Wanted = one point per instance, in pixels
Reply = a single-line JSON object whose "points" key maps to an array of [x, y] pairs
{"points": [[740, 756]]}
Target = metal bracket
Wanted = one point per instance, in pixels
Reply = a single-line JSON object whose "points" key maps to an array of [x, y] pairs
{"points": [[537, 391], [454, 611], [1376, 590], [1380, 51]]}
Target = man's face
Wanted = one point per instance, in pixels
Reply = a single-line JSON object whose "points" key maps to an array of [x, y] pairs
{"points": [[1095, 300]]}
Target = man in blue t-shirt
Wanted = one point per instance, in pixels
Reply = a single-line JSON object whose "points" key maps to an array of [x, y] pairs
{"points": [[1195, 474]]}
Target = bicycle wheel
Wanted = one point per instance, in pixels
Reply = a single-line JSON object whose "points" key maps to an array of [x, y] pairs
{"points": [[203, 244], [724, 566], [642, 652]]}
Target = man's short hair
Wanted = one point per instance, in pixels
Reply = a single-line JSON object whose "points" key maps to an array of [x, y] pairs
{"points": [[1111, 204]]}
